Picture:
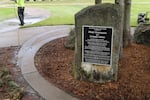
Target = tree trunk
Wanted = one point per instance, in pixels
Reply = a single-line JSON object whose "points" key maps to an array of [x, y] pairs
{"points": [[126, 29], [121, 3], [98, 1], [126, 7]]}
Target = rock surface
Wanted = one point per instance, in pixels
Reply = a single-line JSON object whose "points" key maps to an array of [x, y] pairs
{"points": [[103, 15], [70, 43], [142, 34]]}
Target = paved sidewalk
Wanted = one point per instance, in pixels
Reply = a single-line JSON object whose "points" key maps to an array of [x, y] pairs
{"points": [[30, 18], [31, 39], [30, 73], [12, 35]]}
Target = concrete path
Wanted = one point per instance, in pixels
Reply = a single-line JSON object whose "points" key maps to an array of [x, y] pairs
{"points": [[30, 73], [12, 35], [30, 18], [31, 39]]}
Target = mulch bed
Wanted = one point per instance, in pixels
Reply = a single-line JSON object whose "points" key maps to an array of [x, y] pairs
{"points": [[55, 63], [8, 61]]}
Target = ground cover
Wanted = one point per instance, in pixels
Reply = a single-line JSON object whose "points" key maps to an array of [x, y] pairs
{"points": [[12, 84], [55, 63], [6, 13]]}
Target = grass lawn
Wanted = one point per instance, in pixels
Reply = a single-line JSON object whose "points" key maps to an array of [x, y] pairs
{"points": [[137, 7], [6, 13], [63, 11], [61, 14]]}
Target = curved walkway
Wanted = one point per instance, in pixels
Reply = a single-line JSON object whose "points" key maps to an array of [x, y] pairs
{"points": [[30, 73], [31, 39]]}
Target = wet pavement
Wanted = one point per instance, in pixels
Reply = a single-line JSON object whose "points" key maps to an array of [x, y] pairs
{"points": [[29, 71], [12, 35], [12, 24], [30, 18], [30, 40]]}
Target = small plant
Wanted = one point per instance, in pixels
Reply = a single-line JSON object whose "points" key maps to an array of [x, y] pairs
{"points": [[15, 92]]}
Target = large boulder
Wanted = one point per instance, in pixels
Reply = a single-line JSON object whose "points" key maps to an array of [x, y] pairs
{"points": [[97, 43], [142, 34], [70, 43]]}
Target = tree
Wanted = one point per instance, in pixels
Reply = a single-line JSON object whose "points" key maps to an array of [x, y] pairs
{"points": [[126, 28], [121, 3], [125, 7], [98, 1]]}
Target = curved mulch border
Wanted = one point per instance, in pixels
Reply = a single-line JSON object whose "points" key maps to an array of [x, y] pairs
{"points": [[55, 63]]}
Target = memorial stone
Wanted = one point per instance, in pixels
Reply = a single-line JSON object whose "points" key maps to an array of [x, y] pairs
{"points": [[97, 43]]}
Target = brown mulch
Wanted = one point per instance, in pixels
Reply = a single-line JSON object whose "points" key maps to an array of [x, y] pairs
{"points": [[8, 60], [55, 63]]}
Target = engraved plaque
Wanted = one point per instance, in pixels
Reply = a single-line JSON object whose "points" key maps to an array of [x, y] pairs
{"points": [[97, 45]]}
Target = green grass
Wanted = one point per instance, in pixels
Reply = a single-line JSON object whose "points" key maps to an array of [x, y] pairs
{"points": [[6, 13], [63, 11], [140, 1], [137, 8], [62, 14]]}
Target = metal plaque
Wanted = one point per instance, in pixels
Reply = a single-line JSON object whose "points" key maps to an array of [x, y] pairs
{"points": [[97, 44]]}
